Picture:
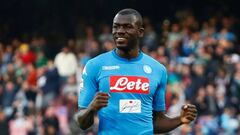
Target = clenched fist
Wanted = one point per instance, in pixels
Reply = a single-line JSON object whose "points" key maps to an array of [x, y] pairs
{"points": [[188, 113], [100, 100]]}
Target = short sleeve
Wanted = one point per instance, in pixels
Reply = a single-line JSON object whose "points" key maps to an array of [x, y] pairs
{"points": [[159, 96], [89, 85]]}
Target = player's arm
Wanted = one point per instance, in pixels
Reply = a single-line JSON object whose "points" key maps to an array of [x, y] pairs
{"points": [[89, 100], [85, 117], [163, 123]]}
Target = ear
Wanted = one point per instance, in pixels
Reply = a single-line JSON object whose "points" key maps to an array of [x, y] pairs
{"points": [[141, 32]]}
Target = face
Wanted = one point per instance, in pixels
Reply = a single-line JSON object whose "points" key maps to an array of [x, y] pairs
{"points": [[126, 32]]}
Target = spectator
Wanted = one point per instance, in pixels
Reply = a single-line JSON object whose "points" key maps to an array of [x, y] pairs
{"points": [[20, 125], [6, 57], [228, 122], [4, 128], [9, 94], [106, 34], [63, 60], [49, 82], [27, 55], [32, 75], [235, 87], [50, 122], [197, 81], [70, 89], [9, 75], [174, 36], [41, 59], [211, 99], [150, 37], [201, 101]]}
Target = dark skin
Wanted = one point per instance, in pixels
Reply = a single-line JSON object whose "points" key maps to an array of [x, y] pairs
{"points": [[126, 33], [85, 117]]}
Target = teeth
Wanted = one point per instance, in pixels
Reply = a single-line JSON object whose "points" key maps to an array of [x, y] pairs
{"points": [[121, 38]]}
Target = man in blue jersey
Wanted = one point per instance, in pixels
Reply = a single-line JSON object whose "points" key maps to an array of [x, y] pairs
{"points": [[127, 87]]}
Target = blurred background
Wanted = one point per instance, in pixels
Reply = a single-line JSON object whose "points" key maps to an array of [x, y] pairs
{"points": [[44, 46]]}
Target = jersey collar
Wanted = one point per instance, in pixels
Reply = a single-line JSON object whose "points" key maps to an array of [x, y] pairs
{"points": [[140, 54]]}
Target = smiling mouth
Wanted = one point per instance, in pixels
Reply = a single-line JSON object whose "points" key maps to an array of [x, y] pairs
{"points": [[121, 40]]}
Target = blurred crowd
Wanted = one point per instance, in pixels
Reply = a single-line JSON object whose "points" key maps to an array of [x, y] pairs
{"points": [[38, 94]]}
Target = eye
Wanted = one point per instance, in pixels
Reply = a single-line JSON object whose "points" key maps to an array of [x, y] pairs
{"points": [[115, 26], [129, 26]]}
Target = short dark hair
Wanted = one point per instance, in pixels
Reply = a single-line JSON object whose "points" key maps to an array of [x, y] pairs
{"points": [[128, 11]]}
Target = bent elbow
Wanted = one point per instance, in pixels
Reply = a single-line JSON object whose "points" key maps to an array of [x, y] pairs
{"points": [[157, 131], [83, 127]]}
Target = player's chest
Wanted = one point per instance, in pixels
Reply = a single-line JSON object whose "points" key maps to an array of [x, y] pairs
{"points": [[135, 78]]}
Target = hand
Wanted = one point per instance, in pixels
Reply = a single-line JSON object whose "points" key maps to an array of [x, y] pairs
{"points": [[100, 100], [188, 113]]}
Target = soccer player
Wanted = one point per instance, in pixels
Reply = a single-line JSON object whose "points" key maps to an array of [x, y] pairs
{"points": [[127, 87]]}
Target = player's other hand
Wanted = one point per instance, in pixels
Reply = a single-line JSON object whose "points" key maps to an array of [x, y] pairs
{"points": [[188, 113], [100, 100]]}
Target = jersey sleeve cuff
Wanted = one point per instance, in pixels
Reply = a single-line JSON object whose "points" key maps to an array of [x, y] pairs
{"points": [[159, 108]]}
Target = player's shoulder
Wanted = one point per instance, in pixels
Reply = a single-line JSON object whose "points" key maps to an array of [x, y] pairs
{"points": [[93, 66]]}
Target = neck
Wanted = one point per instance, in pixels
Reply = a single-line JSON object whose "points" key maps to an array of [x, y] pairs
{"points": [[128, 54]]}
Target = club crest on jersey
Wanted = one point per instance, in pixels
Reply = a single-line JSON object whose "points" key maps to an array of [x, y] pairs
{"points": [[131, 84], [147, 69]]}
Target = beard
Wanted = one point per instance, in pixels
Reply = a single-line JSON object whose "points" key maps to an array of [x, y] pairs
{"points": [[131, 44], [123, 47]]}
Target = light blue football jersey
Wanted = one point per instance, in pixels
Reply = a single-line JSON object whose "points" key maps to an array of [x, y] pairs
{"points": [[136, 86]]}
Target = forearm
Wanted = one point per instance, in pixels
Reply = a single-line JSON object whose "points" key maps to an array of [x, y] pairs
{"points": [[166, 124], [85, 118]]}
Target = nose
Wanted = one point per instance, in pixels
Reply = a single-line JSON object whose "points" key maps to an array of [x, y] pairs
{"points": [[120, 30]]}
